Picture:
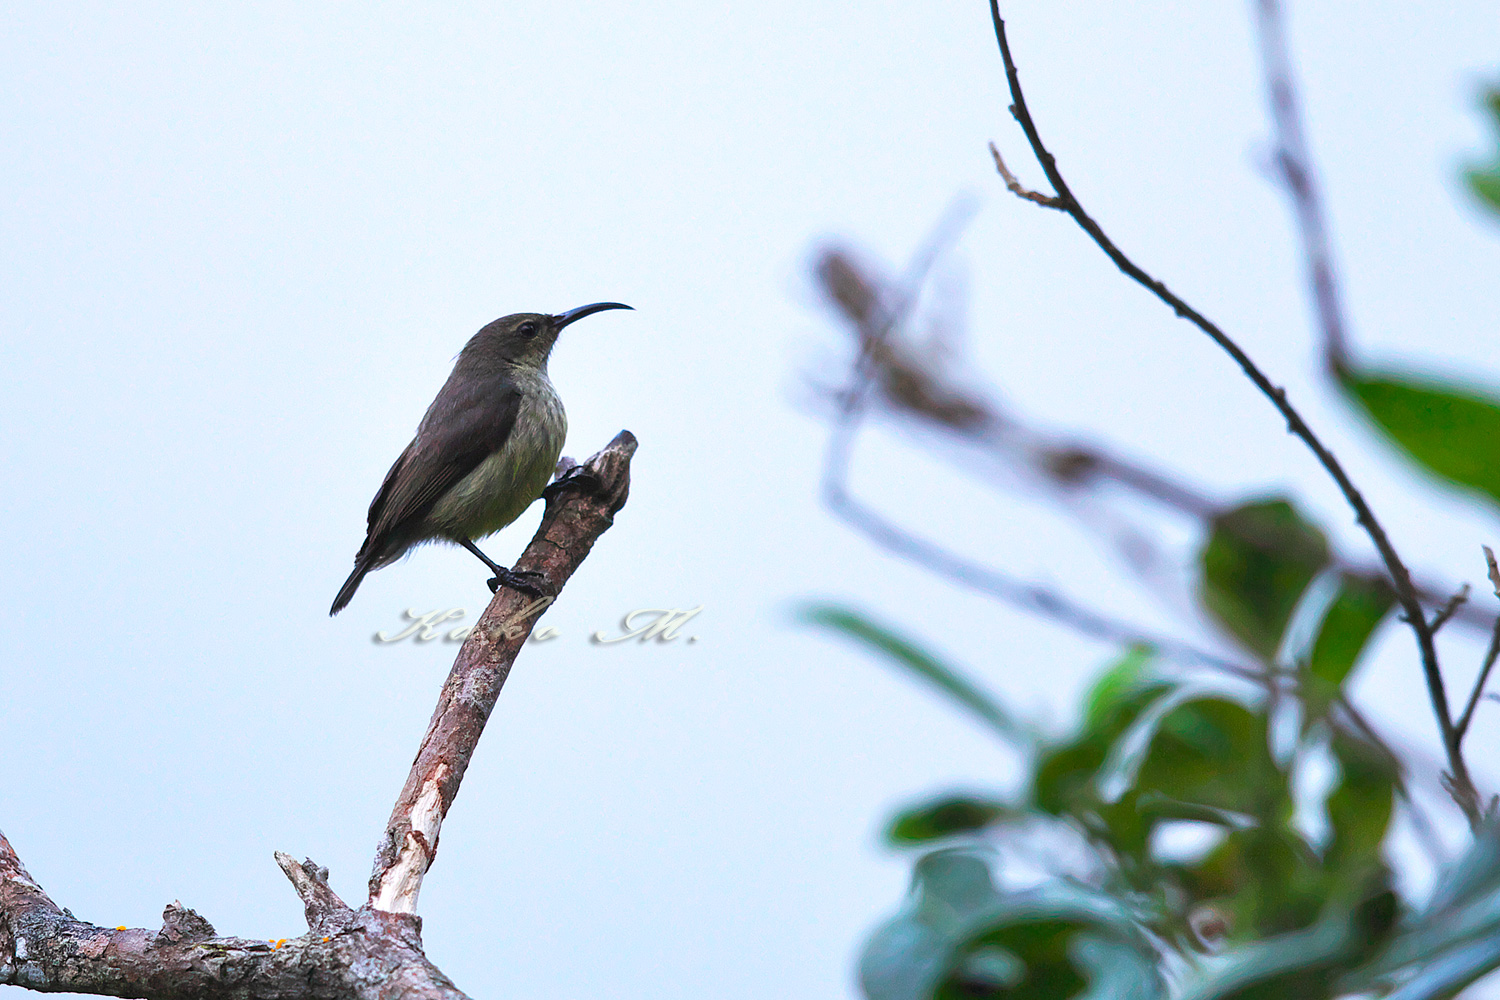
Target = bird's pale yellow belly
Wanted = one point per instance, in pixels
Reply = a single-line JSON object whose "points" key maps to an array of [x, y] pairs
{"points": [[502, 486]]}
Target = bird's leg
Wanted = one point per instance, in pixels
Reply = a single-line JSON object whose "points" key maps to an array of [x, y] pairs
{"points": [[526, 581]]}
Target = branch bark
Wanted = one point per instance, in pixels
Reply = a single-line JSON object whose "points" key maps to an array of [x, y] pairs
{"points": [[363, 954], [573, 520], [370, 953]]}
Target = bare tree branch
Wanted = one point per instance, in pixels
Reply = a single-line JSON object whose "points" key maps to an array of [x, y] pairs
{"points": [[915, 385], [370, 953], [325, 911], [1014, 186], [1032, 597], [931, 385], [1489, 657], [364, 954], [574, 519], [1448, 610], [1294, 165], [876, 312], [1461, 783], [1480, 682]]}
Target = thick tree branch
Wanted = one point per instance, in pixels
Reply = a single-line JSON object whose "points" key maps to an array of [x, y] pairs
{"points": [[374, 952], [363, 954], [580, 506], [1461, 784]]}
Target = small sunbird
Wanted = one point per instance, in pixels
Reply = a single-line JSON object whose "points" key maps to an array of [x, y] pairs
{"points": [[484, 451]]}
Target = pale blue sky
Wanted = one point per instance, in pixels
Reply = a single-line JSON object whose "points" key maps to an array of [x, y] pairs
{"points": [[241, 245]]}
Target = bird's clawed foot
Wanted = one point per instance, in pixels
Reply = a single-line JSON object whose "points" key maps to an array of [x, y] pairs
{"points": [[527, 581], [576, 478]]}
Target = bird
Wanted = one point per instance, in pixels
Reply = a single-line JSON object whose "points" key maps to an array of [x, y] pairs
{"points": [[484, 451]]}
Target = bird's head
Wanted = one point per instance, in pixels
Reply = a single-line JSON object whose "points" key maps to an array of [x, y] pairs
{"points": [[525, 339]]}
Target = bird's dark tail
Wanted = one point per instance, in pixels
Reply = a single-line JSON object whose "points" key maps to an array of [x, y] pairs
{"points": [[346, 592]]}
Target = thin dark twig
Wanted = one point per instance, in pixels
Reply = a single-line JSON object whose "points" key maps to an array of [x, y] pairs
{"points": [[1013, 185], [1479, 684], [876, 327], [1294, 164], [920, 386], [1447, 610], [1462, 785], [1493, 569], [1030, 597]]}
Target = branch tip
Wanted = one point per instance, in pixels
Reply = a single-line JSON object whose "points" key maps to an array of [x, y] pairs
{"points": [[321, 904], [1014, 186]]}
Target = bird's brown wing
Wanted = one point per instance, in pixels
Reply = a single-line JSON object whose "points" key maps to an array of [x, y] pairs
{"points": [[459, 431]]}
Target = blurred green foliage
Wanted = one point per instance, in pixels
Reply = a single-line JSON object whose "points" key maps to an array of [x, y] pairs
{"points": [[1265, 908], [1485, 181], [1206, 839], [916, 660], [1447, 429], [1259, 559], [1279, 898], [1450, 431]]}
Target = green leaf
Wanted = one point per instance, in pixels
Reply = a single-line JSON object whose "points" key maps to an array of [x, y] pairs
{"points": [[1264, 878], [1055, 945], [1359, 807], [1064, 779], [908, 956], [1486, 182], [1214, 752], [1448, 429], [906, 653], [945, 817], [1455, 940], [1039, 949], [1157, 806], [1259, 559], [1128, 674], [1360, 606], [1210, 760], [962, 937], [1309, 964]]}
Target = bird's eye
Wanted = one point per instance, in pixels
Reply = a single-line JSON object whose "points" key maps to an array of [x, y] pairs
{"points": [[529, 330]]}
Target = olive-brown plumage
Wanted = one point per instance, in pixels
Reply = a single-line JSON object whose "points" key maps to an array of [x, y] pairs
{"points": [[484, 451]]}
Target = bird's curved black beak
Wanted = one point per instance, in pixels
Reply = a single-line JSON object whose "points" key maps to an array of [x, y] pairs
{"points": [[563, 319]]}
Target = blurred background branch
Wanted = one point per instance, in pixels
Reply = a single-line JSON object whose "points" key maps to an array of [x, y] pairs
{"points": [[1291, 889]]}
